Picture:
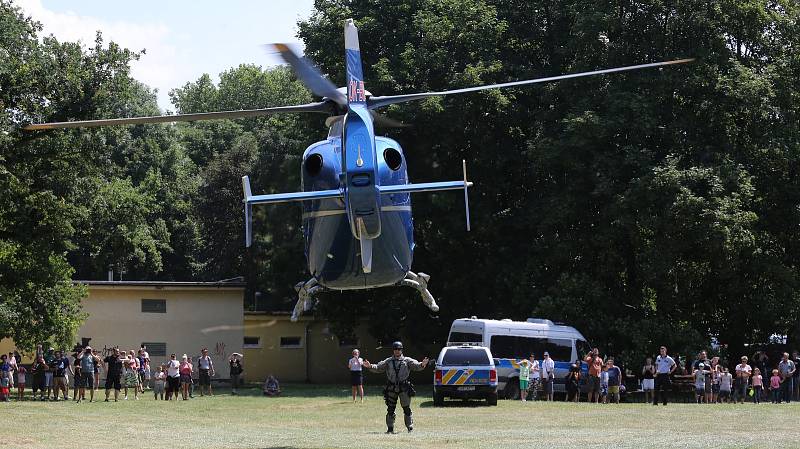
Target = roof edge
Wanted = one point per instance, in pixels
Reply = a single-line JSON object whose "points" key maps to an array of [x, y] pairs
{"points": [[234, 284]]}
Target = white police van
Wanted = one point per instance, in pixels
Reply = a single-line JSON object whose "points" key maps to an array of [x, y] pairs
{"points": [[465, 371], [510, 341]]}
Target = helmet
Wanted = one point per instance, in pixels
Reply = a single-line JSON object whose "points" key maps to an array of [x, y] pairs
{"points": [[397, 345]]}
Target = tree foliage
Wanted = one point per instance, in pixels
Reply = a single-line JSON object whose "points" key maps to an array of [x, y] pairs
{"points": [[643, 208]]}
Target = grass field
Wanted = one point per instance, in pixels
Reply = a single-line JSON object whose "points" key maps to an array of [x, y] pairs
{"points": [[321, 417]]}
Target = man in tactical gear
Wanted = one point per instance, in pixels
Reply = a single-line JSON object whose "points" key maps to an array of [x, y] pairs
{"points": [[397, 369]]}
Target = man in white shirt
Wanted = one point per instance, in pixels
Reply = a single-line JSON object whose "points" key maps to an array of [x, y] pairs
{"points": [[665, 366], [743, 372], [548, 375]]}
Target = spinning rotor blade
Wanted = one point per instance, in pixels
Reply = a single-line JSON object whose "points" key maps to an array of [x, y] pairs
{"points": [[310, 75], [321, 107], [379, 102], [386, 122]]}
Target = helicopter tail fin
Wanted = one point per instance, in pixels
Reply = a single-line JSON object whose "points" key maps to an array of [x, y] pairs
{"points": [[355, 76]]}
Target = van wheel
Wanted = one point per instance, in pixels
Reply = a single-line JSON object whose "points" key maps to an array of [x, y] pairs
{"points": [[491, 399], [512, 389], [438, 399]]}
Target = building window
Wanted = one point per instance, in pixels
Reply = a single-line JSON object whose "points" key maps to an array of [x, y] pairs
{"points": [[155, 349], [154, 306], [252, 342], [291, 342], [348, 342]]}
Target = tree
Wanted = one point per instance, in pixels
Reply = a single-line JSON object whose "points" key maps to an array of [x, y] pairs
{"points": [[644, 208]]}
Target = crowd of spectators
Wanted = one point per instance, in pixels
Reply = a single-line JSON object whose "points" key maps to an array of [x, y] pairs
{"points": [[127, 374], [711, 379]]}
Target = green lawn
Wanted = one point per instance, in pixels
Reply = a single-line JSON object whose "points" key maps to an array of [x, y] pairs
{"points": [[318, 417]]}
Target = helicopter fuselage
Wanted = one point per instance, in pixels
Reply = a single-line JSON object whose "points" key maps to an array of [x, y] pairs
{"points": [[333, 252]]}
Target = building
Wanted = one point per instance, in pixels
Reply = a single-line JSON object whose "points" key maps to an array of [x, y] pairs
{"points": [[166, 317], [306, 350], [183, 317]]}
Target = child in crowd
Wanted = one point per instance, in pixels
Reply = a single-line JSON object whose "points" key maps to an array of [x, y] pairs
{"points": [[21, 372], [775, 386], [604, 385], [158, 388], [725, 381], [700, 383], [758, 386], [4, 389]]}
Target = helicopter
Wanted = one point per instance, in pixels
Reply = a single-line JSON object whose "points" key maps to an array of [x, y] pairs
{"points": [[355, 189]]}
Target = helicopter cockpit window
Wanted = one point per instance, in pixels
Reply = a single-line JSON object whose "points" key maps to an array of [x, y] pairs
{"points": [[313, 164], [393, 158]]}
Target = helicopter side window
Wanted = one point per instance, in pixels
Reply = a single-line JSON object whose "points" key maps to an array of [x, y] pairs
{"points": [[393, 158], [313, 164]]}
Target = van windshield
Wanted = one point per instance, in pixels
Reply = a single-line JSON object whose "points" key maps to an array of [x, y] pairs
{"points": [[465, 357], [465, 336]]}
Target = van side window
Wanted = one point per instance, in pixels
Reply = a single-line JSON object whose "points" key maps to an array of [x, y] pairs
{"points": [[512, 347]]}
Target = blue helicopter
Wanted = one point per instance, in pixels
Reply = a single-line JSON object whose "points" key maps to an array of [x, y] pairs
{"points": [[356, 195]]}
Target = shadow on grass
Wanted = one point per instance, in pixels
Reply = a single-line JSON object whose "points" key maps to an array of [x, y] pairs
{"points": [[456, 403]]}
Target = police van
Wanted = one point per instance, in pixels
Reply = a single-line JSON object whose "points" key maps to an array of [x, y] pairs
{"points": [[511, 341], [465, 371]]}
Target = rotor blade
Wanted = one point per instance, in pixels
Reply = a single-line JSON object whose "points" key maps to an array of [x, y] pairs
{"points": [[310, 75], [386, 122], [322, 107], [379, 102]]}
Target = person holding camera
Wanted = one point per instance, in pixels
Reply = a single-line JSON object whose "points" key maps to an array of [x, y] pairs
{"points": [[397, 369]]}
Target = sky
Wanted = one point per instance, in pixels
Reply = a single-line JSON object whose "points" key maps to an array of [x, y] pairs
{"points": [[183, 39]]}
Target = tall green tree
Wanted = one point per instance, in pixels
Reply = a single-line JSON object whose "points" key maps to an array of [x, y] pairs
{"points": [[644, 208], [269, 150]]}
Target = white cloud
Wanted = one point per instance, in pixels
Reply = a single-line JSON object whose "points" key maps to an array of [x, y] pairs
{"points": [[159, 68]]}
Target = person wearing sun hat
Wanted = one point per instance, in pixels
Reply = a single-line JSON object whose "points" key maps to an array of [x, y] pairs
{"points": [[548, 375]]}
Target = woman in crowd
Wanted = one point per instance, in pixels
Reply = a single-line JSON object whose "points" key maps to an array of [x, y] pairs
{"points": [[185, 370], [98, 362], [131, 375], [648, 379], [21, 371]]}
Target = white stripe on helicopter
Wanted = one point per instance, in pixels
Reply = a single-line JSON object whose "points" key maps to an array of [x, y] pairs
{"points": [[332, 212]]}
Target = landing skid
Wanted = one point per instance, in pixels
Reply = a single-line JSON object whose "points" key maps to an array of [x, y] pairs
{"points": [[305, 300], [307, 290], [419, 282]]}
